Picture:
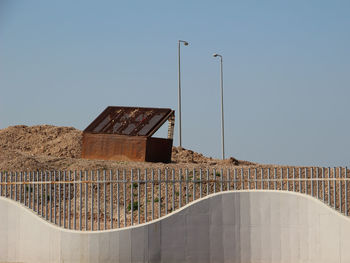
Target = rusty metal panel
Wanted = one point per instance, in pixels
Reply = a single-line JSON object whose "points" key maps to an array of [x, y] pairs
{"points": [[113, 147], [132, 121], [158, 150]]}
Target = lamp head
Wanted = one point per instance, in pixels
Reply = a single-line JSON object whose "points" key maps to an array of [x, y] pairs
{"points": [[183, 41], [215, 55]]}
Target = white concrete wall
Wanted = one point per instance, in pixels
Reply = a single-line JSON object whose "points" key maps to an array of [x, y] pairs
{"points": [[247, 226]]}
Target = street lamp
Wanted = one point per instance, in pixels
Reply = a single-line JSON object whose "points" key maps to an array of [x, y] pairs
{"points": [[185, 44], [222, 105]]}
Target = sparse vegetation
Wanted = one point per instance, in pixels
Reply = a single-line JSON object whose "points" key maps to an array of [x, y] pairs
{"points": [[135, 205]]}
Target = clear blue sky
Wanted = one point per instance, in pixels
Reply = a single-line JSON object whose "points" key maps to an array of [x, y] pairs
{"points": [[286, 70]]}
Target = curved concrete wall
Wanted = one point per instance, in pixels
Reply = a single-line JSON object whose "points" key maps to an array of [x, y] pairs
{"points": [[247, 226]]}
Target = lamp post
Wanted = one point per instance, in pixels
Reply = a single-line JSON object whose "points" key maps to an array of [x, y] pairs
{"points": [[179, 44], [222, 105]]}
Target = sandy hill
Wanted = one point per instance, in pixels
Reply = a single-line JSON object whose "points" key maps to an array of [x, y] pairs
{"points": [[46, 147]]}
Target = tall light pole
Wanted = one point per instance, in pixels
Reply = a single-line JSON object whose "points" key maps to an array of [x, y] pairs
{"points": [[179, 44], [222, 104]]}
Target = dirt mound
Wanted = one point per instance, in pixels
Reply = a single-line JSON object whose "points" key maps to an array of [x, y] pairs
{"points": [[46, 147], [42, 140], [182, 155]]}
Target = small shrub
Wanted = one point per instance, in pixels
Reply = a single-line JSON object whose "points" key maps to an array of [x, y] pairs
{"points": [[135, 205], [29, 189], [156, 200]]}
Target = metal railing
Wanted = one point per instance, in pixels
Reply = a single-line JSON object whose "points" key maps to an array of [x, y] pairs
{"points": [[98, 200]]}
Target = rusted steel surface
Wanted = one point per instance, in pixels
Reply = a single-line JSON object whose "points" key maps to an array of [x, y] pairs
{"points": [[158, 150], [113, 147], [133, 121], [126, 148], [124, 134]]}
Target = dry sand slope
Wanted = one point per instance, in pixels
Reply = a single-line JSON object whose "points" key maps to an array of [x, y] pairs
{"points": [[46, 147]]}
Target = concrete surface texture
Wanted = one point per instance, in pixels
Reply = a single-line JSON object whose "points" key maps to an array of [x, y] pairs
{"points": [[243, 227]]}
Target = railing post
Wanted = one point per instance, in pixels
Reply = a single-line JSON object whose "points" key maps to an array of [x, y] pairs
{"points": [[124, 193], [86, 200], [340, 190], [29, 185], [228, 179], [92, 200], [248, 178], [80, 201], [305, 180], [200, 184], [42, 177], [329, 186], [346, 191], [152, 195], [186, 185], [50, 196], [323, 185], [242, 179], [268, 178], [16, 174], [281, 181], [64, 199], [194, 185], [59, 200], [112, 198], [75, 200], [34, 192], [334, 187], [138, 195], [221, 178], [25, 188], [262, 179], [98, 199], [11, 188], [0, 183], [132, 198], [214, 177], [166, 190], [208, 175], [21, 188], [105, 199], [54, 197], [318, 182], [275, 178], [69, 200], [159, 193], [173, 188], [293, 179], [300, 188], [180, 188], [47, 196], [6, 184], [312, 180], [29, 192], [146, 195]]}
